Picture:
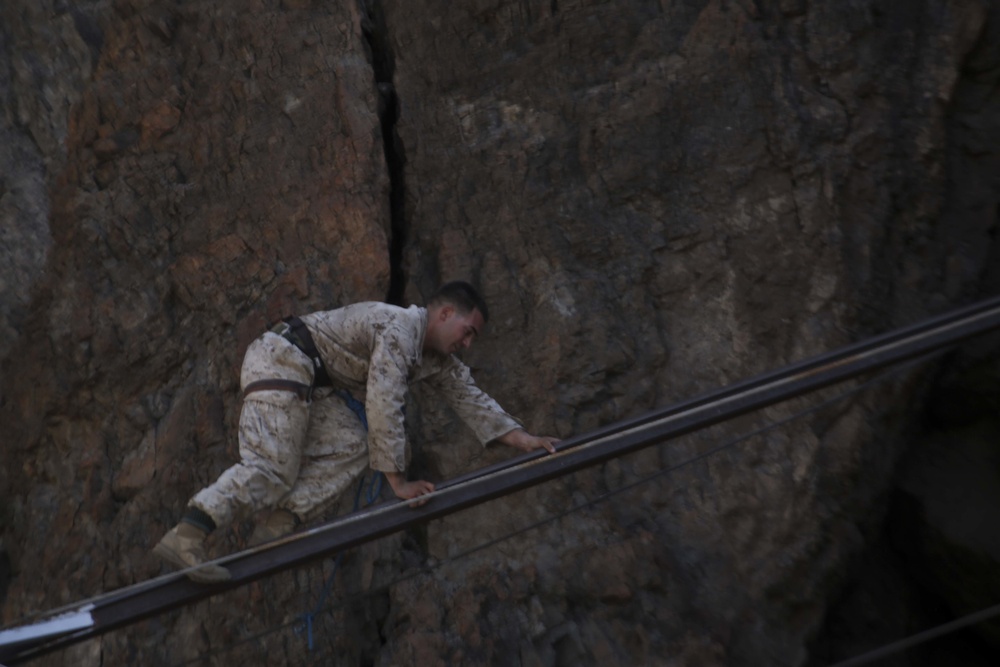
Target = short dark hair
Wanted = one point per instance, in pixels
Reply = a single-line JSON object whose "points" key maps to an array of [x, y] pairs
{"points": [[463, 296]]}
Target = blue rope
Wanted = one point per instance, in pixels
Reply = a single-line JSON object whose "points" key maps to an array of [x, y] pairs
{"points": [[356, 406], [371, 494]]}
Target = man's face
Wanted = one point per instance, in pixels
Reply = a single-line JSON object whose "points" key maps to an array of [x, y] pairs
{"points": [[455, 331]]}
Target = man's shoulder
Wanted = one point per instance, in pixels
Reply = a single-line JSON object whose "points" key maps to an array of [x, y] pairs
{"points": [[364, 319], [385, 319], [365, 309], [382, 310]]}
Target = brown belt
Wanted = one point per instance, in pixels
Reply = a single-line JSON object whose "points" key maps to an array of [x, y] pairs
{"points": [[303, 391]]}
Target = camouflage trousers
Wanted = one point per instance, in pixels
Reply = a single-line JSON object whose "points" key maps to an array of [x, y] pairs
{"points": [[294, 454]]}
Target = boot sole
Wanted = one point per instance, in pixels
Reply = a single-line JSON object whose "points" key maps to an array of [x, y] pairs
{"points": [[204, 574]]}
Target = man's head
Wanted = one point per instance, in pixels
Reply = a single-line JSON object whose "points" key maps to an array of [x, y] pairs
{"points": [[456, 315]]}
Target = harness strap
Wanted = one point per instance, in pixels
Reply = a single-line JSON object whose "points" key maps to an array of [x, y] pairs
{"points": [[294, 330], [303, 391], [299, 336]]}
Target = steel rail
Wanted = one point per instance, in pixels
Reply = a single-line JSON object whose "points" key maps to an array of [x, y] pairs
{"points": [[147, 599]]}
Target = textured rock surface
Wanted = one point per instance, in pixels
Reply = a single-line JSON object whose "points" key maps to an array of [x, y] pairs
{"points": [[657, 198], [953, 481], [938, 559]]}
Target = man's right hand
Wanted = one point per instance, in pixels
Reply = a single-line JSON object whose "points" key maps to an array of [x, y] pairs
{"points": [[407, 490]]}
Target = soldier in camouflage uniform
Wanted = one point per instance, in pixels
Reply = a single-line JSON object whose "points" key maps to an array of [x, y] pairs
{"points": [[302, 444]]}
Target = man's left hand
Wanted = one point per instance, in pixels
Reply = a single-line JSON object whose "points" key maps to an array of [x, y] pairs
{"points": [[521, 439]]}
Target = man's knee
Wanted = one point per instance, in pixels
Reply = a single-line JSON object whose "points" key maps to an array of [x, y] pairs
{"points": [[277, 478]]}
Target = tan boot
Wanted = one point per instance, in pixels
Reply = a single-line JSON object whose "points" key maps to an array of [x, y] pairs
{"points": [[184, 546], [279, 523]]}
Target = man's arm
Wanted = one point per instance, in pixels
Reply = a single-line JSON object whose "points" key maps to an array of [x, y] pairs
{"points": [[385, 400], [483, 414], [473, 406]]}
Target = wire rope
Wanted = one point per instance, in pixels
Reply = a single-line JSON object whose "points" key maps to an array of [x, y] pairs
{"points": [[427, 568], [921, 637]]}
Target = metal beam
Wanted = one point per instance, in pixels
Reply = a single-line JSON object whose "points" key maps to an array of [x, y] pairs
{"points": [[151, 598]]}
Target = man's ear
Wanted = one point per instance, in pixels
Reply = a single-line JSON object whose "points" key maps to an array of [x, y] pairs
{"points": [[446, 311]]}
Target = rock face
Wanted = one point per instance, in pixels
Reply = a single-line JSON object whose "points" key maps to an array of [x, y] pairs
{"points": [[954, 482], [656, 198]]}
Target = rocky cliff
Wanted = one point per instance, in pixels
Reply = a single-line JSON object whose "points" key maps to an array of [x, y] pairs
{"points": [[656, 198]]}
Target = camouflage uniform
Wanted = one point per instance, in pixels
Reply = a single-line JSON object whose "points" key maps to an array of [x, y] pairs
{"points": [[301, 456]]}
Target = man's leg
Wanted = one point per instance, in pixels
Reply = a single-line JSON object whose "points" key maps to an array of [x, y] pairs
{"points": [[272, 429], [335, 454]]}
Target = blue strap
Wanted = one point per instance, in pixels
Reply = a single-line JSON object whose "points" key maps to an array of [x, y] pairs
{"points": [[372, 490]]}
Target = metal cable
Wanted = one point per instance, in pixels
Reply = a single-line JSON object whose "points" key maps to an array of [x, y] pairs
{"points": [[758, 388], [618, 439], [643, 480], [921, 637]]}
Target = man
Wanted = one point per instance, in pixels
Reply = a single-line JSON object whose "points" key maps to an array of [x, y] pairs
{"points": [[303, 435]]}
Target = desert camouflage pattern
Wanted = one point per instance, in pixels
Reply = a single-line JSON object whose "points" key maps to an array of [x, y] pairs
{"points": [[272, 433], [302, 456], [374, 350]]}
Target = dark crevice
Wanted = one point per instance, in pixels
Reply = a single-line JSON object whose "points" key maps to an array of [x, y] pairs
{"points": [[6, 574], [373, 27]]}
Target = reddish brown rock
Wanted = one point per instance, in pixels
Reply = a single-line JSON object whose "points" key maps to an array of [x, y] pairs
{"points": [[656, 198]]}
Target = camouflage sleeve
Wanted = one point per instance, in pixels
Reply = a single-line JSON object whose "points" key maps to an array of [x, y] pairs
{"points": [[475, 407], [384, 402]]}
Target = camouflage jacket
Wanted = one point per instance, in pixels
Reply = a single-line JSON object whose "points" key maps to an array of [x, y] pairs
{"points": [[375, 350]]}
